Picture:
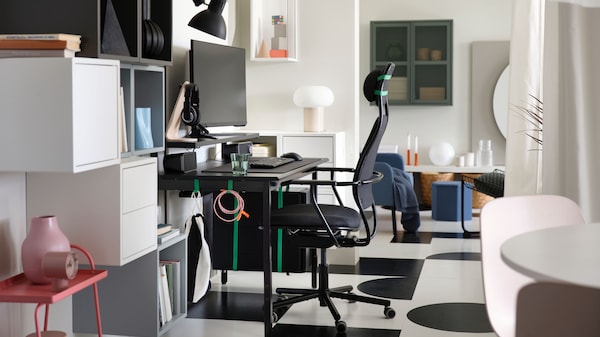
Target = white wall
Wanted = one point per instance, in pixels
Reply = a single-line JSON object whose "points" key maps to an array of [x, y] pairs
{"points": [[327, 55], [474, 20]]}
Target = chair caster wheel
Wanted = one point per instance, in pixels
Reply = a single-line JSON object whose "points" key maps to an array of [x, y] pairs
{"points": [[340, 326], [274, 317], [389, 312]]}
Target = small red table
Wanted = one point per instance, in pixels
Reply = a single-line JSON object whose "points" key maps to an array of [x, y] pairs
{"points": [[18, 289]]}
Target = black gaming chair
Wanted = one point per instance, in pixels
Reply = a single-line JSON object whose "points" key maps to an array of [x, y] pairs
{"points": [[321, 226]]}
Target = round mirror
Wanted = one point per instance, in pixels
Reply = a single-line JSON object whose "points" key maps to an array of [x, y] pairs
{"points": [[500, 101]]}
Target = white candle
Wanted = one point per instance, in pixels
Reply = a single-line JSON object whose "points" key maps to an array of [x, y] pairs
{"points": [[408, 142], [416, 144]]}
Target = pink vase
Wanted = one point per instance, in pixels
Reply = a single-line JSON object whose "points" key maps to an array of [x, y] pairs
{"points": [[44, 236]]}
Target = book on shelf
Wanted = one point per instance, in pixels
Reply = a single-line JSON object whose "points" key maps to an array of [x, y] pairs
{"points": [[164, 293], [163, 228], [49, 36], [173, 233], [6, 53], [39, 44], [173, 269]]}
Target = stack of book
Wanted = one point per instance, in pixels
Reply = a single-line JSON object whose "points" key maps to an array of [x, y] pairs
{"points": [[39, 45], [166, 232]]}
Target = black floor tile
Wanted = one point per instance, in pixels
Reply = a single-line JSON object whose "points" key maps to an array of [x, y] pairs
{"points": [[466, 256], [228, 305], [458, 317], [401, 288], [381, 266]]}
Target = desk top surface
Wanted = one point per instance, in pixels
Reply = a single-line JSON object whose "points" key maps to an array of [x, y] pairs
{"points": [[566, 254], [220, 171]]}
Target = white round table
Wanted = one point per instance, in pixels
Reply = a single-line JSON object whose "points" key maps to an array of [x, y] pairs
{"points": [[568, 254]]}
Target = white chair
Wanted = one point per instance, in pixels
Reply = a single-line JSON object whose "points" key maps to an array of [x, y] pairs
{"points": [[501, 219], [558, 310]]}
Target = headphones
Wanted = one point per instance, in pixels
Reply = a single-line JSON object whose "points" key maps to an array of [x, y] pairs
{"points": [[191, 113]]}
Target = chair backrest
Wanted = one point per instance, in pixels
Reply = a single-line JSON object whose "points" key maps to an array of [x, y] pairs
{"points": [[558, 310], [375, 90], [501, 219]]}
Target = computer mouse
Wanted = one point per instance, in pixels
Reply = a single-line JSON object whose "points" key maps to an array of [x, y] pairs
{"points": [[292, 155]]}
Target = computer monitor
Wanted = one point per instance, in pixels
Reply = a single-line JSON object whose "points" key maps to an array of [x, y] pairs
{"points": [[219, 71]]}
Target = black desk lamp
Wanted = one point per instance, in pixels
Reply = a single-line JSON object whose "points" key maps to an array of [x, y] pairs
{"points": [[210, 20]]}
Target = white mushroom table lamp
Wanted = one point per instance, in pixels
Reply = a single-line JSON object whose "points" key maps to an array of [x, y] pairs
{"points": [[313, 99]]}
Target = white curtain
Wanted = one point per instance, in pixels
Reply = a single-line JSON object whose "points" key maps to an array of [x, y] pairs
{"points": [[571, 149], [523, 156]]}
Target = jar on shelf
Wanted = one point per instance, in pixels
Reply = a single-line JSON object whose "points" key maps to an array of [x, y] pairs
{"points": [[484, 154]]}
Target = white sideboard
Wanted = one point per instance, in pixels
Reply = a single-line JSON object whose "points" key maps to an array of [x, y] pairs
{"points": [[330, 145], [58, 114]]}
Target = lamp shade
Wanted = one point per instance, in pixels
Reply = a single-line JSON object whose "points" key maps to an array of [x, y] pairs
{"points": [[210, 20], [313, 96], [313, 99]]}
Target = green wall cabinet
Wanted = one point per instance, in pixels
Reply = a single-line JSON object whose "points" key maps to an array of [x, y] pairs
{"points": [[422, 52]]}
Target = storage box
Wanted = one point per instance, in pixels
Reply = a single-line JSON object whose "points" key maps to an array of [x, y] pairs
{"points": [[432, 93]]}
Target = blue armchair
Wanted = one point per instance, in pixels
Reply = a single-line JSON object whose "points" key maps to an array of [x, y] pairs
{"points": [[396, 191]]}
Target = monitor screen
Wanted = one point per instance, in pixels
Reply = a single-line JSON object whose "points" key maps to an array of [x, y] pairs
{"points": [[219, 71]]}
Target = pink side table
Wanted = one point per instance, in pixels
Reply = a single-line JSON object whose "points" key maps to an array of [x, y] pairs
{"points": [[18, 289]]}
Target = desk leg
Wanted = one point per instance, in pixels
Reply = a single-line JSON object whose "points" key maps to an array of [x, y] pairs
{"points": [[268, 305]]}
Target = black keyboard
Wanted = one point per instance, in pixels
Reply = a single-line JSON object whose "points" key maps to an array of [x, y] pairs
{"points": [[269, 162]]}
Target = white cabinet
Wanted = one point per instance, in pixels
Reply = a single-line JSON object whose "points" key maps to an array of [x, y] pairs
{"points": [[58, 114], [329, 145], [110, 211]]}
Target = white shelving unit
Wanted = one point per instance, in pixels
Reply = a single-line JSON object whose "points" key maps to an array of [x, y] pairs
{"points": [[273, 31]]}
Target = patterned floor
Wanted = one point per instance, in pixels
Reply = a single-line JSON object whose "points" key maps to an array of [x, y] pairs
{"points": [[433, 280]]}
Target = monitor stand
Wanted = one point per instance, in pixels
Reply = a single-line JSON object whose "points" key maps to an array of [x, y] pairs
{"points": [[200, 132]]}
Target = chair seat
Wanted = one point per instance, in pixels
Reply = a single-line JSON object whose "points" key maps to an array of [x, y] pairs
{"points": [[304, 216]]}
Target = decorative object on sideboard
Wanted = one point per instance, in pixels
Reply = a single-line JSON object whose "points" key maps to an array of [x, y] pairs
{"points": [[44, 236], [313, 99], [484, 154], [441, 154], [210, 20]]}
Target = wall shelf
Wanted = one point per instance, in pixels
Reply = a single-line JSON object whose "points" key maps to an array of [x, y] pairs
{"points": [[422, 52], [121, 36], [144, 86], [273, 31]]}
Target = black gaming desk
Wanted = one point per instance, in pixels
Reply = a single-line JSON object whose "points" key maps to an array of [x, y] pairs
{"points": [[212, 177]]}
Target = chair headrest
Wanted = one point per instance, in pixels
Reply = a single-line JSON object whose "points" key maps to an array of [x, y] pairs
{"points": [[370, 85], [376, 82]]}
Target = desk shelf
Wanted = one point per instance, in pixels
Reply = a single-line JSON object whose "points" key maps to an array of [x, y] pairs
{"points": [[19, 289], [219, 139]]}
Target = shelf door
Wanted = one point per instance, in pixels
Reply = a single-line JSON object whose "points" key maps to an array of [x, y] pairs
{"points": [[432, 65]]}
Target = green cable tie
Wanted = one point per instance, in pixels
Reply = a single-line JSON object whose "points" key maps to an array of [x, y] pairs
{"points": [[234, 264], [384, 77], [381, 92], [196, 185]]}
